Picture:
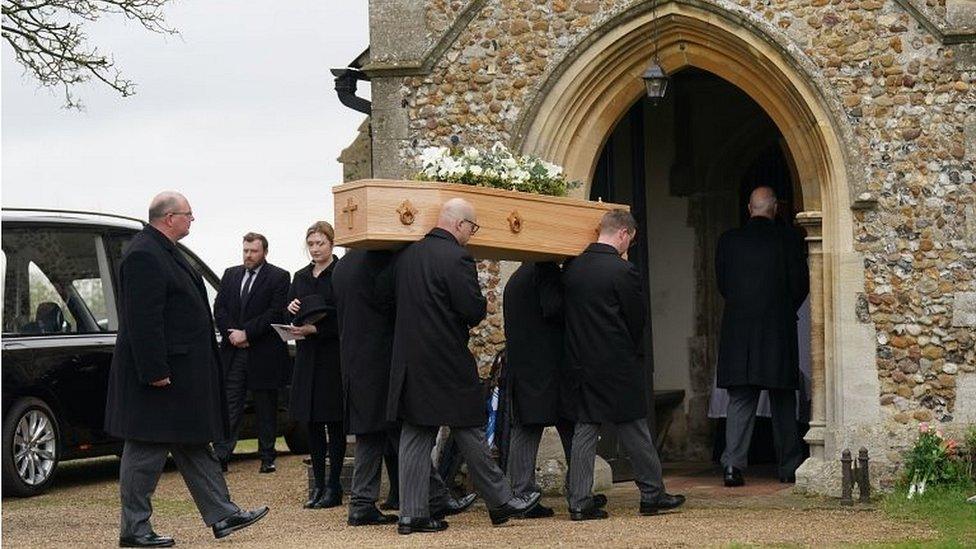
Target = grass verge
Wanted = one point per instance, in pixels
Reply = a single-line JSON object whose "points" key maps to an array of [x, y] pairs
{"points": [[942, 508]]}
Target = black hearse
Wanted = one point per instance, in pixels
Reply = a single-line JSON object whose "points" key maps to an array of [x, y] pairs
{"points": [[59, 326]]}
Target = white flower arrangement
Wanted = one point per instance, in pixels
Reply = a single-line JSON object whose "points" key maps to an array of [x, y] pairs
{"points": [[497, 168]]}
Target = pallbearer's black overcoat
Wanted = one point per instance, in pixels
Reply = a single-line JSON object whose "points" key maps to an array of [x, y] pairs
{"points": [[363, 284], [434, 378], [605, 318], [534, 347]]}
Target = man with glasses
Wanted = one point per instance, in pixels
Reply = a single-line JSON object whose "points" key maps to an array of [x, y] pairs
{"points": [[605, 319], [434, 378], [165, 389]]}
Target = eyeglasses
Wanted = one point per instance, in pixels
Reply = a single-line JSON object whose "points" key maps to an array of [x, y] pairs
{"points": [[474, 226], [186, 213]]}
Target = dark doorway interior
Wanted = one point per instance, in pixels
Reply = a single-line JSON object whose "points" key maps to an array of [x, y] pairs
{"points": [[686, 167]]}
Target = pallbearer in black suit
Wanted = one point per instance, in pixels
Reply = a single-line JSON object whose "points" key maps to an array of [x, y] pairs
{"points": [[252, 296], [434, 378], [316, 384], [762, 274], [538, 379], [165, 388], [363, 282], [604, 332]]}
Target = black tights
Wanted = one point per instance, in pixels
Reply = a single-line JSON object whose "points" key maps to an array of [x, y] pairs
{"points": [[333, 445]]}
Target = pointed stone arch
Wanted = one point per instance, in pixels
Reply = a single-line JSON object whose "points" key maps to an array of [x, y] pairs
{"points": [[585, 97]]}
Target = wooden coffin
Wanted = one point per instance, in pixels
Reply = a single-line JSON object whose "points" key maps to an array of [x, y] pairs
{"points": [[387, 214]]}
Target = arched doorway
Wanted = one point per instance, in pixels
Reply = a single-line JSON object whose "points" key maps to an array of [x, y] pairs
{"points": [[586, 97]]}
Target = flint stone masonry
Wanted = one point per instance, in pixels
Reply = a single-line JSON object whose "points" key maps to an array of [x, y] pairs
{"points": [[964, 309], [903, 82]]}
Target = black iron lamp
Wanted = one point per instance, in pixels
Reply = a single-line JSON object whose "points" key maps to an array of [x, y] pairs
{"points": [[655, 81]]}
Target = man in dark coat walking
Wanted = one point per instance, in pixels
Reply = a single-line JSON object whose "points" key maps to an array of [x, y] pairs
{"points": [[538, 380], [762, 275], [252, 296], [165, 392], [434, 378], [605, 319], [364, 290]]}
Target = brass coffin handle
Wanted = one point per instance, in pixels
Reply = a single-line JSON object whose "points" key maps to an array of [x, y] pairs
{"points": [[515, 222], [407, 212]]}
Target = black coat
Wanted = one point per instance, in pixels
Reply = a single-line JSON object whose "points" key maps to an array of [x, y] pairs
{"points": [[535, 352], [762, 274], [165, 330], [434, 378], [604, 332], [316, 383], [267, 354], [363, 283]]}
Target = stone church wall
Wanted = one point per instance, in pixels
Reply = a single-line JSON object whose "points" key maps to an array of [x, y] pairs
{"points": [[904, 72]]}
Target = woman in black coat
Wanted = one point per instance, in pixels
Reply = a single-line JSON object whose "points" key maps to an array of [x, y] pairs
{"points": [[316, 386]]}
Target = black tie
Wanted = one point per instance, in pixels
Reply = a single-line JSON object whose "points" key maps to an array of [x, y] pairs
{"points": [[247, 285]]}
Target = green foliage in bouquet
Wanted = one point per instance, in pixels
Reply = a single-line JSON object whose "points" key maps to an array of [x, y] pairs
{"points": [[497, 168]]}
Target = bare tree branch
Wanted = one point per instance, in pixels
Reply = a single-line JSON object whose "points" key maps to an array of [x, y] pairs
{"points": [[49, 42]]}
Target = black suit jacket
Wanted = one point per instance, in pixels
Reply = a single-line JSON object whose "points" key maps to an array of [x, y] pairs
{"points": [[604, 330], [434, 378], [165, 330], [363, 285], [267, 355], [534, 347], [762, 274]]}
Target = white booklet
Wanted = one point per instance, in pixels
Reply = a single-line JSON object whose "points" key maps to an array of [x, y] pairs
{"points": [[284, 333]]}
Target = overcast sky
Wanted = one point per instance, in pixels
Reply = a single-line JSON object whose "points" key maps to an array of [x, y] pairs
{"points": [[238, 113]]}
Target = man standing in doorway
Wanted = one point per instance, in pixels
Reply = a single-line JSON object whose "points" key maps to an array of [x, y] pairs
{"points": [[762, 274], [252, 296], [605, 319], [434, 378], [165, 388]]}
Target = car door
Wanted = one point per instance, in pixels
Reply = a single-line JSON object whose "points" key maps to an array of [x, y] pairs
{"points": [[60, 323]]}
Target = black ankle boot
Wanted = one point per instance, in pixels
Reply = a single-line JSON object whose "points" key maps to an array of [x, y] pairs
{"points": [[315, 498], [331, 498]]}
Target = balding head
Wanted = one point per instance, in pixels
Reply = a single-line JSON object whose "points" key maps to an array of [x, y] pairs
{"points": [[458, 218], [762, 202], [170, 213]]}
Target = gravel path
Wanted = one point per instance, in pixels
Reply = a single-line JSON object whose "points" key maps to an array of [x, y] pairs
{"points": [[82, 511]]}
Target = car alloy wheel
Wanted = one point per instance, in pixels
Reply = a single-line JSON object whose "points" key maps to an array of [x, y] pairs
{"points": [[34, 447]]}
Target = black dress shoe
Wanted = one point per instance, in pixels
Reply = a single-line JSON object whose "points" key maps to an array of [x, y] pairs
{"points": [[408, 525], [588, 513], [663, 502], [238, 521], [733, 477], [454, 506], [268, 468], [599, 501], [513, 507], [315, 498], [152, 539], [539, 511], [370, 517]]}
